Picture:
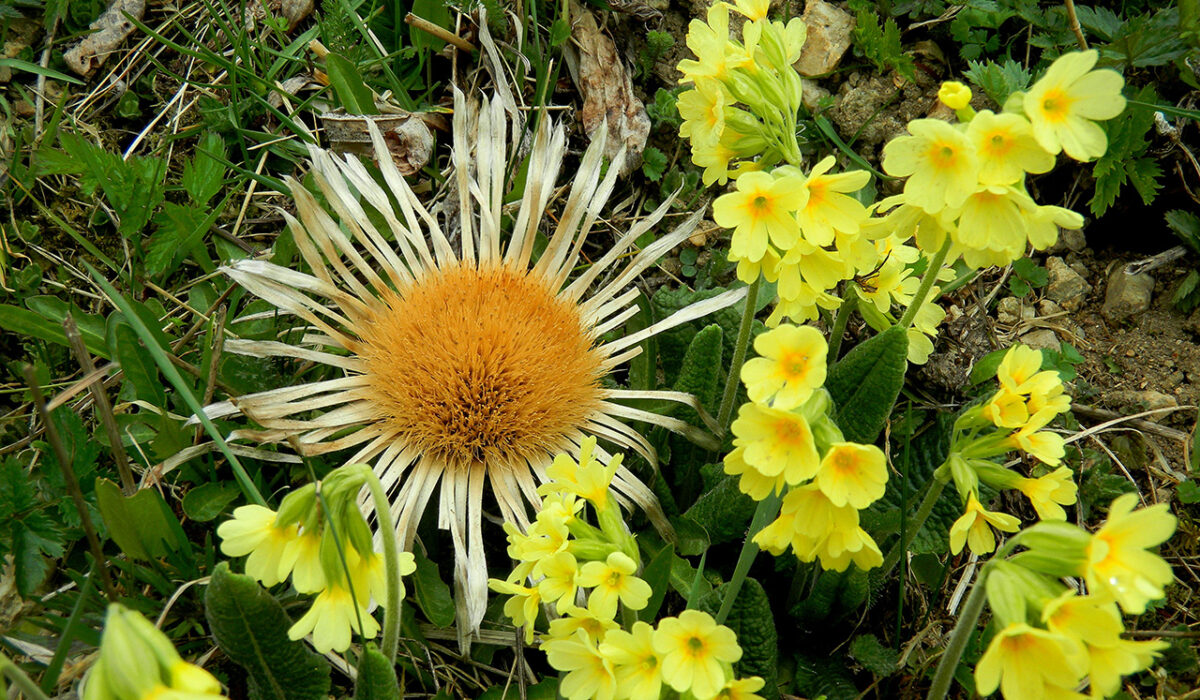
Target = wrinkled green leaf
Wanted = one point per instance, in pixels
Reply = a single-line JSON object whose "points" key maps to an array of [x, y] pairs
{"points": [[657, 573], [753, 622], [864, 384], [204, 175], [376, 676], [874, 656]]}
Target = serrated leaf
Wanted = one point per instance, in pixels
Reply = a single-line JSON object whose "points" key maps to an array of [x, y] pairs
{"points": [[1148, 40], [1186, 227], [864, 384], [251, 628], [880, 43], [30, 564], [998, 80], [141, 524], [560, 31], [207, 501], [133, 186], [867, 650], [376, 676], [752, 621], [1143, 174], [352, 93], [433, 595], [654, 162], [1100, 21], [204, 175], [724, 511], [1031, 272], [180, 227], [1188, 492]]}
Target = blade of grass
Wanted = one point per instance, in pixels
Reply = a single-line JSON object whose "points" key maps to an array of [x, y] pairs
{"points": [[172, 375], [54, 669]]}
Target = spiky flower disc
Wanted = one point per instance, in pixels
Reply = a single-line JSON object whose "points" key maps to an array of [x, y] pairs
{"points": [[468, 368]]}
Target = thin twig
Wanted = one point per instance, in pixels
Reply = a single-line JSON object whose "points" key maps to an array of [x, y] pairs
{"points": [[60, 453], [218, 346], [1073, 22], [103, 406], [434, 30]]}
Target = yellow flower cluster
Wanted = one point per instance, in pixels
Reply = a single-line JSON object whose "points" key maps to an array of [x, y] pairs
{"points": [[1012, 419], [785, 443], [1052, 638], [967, 180], [562, 559], [892, 282], [325, 552], [138, 662]]}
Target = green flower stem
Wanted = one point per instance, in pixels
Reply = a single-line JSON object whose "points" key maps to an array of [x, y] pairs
{"points": [[739, 356], [391, 563], [766, 511], [839, 326], [967, 620], [912, 527], [927, 280], [14, 673]]}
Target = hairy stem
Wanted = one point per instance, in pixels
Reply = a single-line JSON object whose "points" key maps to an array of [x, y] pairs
{"points": [[391, 563], [739, 356], [967, 621], [767, 508], [839, 326], [927, 280]]}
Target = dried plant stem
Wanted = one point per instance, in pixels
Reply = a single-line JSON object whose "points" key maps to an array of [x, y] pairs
{"points": [[103, 406], [434, 30], [1073, 23], [64, 463]]}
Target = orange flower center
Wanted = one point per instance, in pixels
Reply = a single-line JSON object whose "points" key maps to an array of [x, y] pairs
{"points": [[795, 365], [998, 144], [480, 365], [1055, 105], [943, 156], [791, 432]]}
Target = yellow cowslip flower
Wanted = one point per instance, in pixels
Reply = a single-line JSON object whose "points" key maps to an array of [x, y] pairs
{"points": [[336, 614], [853, 474], [636, 665], [940, 162], [975, 525], [890, 282], [709, 40], [1018, 366], [714, 157], [580, 619], [522, 606], [1043, 223], [829, 209], [924, 329], [805, 263], [811, 518], [612, 580], [761, 211], [694, 651], [1118, 561], [589, 673], [790, 366], [1027, 662], [776, 536], [1006, 148], [1062, 104], [753, 10], [768, 267], [302, 559], [753, 483], [1006, 409], [992, 218], [252, 531], [1046, 394], [545, 538], [954, 94], [136, 661], [904, 220], [588, 478], [802, 304], [703, 111], [846, 546], [741, 689], [1049, 493], [1031, 439], [561, 581], [777, 442], [1097, 624]]}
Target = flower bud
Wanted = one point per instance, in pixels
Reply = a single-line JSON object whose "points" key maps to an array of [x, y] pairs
{"points": [[296, 506], [1055, 548], [954, 95]]}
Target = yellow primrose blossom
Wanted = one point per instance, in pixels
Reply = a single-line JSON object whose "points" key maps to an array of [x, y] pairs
{"points": [[954, 94], [829, 209], [1118, 561], [803, 304], [975, 525], [1027, 662], [561, 581], [709, 40], [752, 9], [694, 650], [1006, 148], [741, 689], [1063, 103], [546, 537], [335, 614], [581, 619], [1043, 223], [777, 442], [924, 329], [589, 673], [252, 531], [1041, 444], [992, 219], [714, 157], [1097, 624], [522, 606], [853, 474], [1048, 494], [612, 580], [753, 483], [941, 164], [703, 111], [768, 267], [302, 560], [1018, 366], [761, 211], [588, 478], [848, 545], [790, 366], [636, 665]]}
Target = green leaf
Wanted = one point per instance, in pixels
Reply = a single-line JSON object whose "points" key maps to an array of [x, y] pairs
{"points": [[435, 11], [142, 525], [654, 162], [34, 538], [132, 187], [353, 94], [881, 44], [865, 383], [207, 501], [546, 690], [723, 511], [376, 676], [657, 573], [1186, 227], [1148, 40], [925, 452], [136, 363], [1194, 453], [701, 370], [751, 619], [998, 80], [433, 595], [204, 176], [251, 628], [1188, 492], [1031, 272], [180, 228], [18, 64], [14, 319], [874, 656], [1144, 174], [560, 31]]}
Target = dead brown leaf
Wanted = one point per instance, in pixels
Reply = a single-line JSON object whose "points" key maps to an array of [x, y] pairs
{"points": [[109, 30], [607, 89], [406, 135]]}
